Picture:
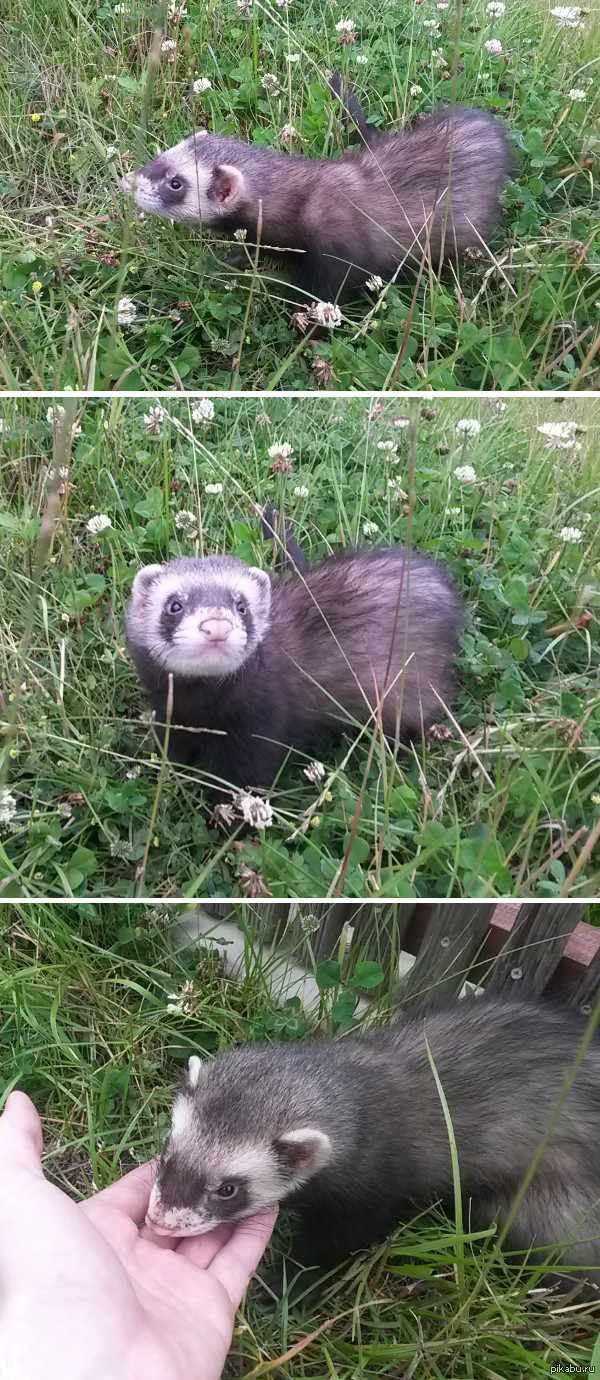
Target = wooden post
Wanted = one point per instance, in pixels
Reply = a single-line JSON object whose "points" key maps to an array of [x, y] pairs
{"points": [[453, 939], [533, 948]]}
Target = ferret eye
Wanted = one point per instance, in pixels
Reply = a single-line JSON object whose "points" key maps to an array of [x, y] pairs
{"points": [[175, 184], [240, 605], [175, 606], [227, 1191]]}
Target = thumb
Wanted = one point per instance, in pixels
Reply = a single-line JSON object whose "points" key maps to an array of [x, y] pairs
{"points": [[21, 1132]]}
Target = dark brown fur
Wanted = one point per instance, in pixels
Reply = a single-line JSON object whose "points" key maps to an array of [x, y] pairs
{"points": [[431, 191], [353, 621]]}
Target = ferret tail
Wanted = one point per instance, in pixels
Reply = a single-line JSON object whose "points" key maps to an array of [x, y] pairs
{"points": [[291, 555], [364, 132]]}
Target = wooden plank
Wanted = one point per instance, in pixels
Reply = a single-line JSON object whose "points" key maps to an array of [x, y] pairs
{"points": [[454, 938], [532, 948]]}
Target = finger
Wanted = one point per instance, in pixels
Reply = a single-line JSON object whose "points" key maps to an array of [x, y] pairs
{"points": [[201, 1250], [164, 1243], [129, 1195], [238, 1259], [21, 1131]]}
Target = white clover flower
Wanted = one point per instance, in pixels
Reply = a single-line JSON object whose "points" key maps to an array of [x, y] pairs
{"points": [[375, 283], [176, 11], [133, 773], [245, 8], [315, 771], [568, 16], [362, 59], [559, 435], [153, 419], [254, 811], [8, 806], [1, 425], [438, 55], [577, 93], [185, 520], [289, 132], [442, 5], [387, 446], [49, 222], [281, 450], [283, 4], [300, 491], [465, 474], [325, 314], [98, 523], [370, 529], [402, 422], [121, 9], [572, 534], [399, 495], [495, 9], [469, 426], [455, 512], [345, 26], [202, 84], [213, 488], [416, 90], [240, 235], [126, 311], [493, 45], [292, 57], [184, 1001], [110, 151], [203, 411], [270, 82], [431, 24], [55, 415], [168, 45]]}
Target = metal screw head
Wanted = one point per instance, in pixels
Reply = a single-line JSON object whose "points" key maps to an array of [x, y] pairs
{"points": [[586, 1010], [445, 942], [516, 973]]}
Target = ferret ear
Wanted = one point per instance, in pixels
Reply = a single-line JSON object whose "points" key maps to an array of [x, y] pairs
{"points": [[195, 1071], [227, 186], [144, 579], [261, 603], [304, 1151]]}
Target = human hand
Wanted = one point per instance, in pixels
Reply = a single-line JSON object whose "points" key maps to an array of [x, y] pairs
{"points": [[87, 1294]]}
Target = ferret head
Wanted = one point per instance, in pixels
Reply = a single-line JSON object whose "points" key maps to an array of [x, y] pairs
{"points": [[230, 1151], [191, 182], [199, 617]]}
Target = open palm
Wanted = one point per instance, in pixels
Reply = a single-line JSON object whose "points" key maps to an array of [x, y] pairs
{"points": [[88, 1294]]}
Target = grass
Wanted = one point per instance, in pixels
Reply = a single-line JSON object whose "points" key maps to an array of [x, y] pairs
{"points": [[77, 110], [508, 805], [89, 1031]]}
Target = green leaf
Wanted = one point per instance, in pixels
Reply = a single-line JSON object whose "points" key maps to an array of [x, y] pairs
{"points": [[360, 849], [519, 648], [344, 1007], [328, 974], [367, 975], [515, 590]]}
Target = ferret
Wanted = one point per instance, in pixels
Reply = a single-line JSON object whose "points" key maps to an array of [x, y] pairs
{"points": [[429, 192], [274, 664], [350, 1134]]}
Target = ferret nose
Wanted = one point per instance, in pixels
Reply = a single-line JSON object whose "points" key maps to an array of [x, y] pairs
{"points": [[156, 1227], [127, 182], [216, 629]]}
